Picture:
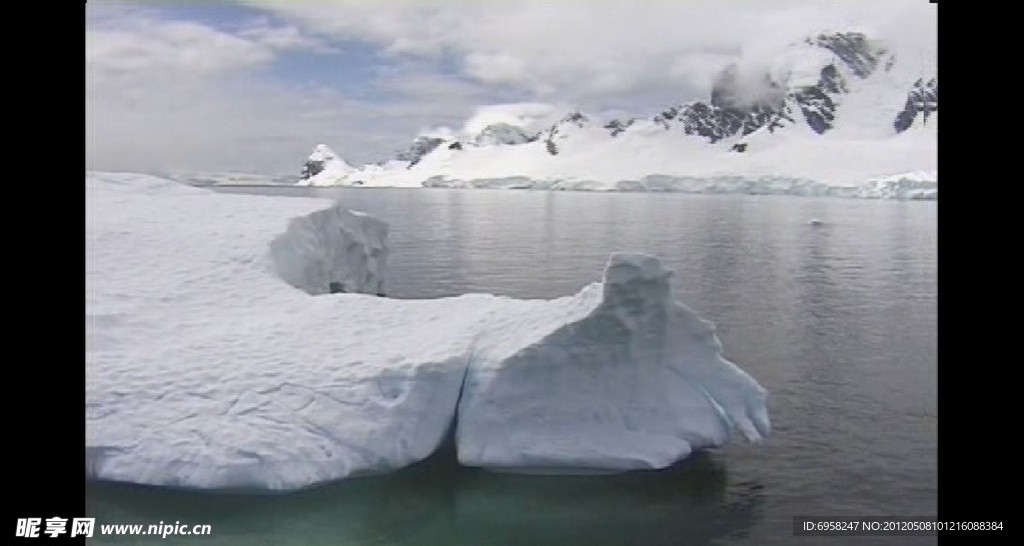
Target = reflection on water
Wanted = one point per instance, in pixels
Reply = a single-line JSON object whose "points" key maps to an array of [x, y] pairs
{"points": [[438, 503]]}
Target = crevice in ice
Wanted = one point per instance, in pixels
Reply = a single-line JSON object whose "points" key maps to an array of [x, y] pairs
{"points": [[331, 251], [451, 439], [729, 425]]}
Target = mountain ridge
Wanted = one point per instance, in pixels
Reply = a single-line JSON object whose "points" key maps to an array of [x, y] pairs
{"points": [[837, 95]]}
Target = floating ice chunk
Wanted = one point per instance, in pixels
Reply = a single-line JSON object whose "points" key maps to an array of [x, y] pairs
{"points": [[204, 369], [334, 247], [630, 379]]}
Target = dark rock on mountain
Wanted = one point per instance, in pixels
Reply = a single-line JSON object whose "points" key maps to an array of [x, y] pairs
{"points": [[816, 105], [502, 134], [739, 104], [311, 168], [317, 161], [923, 99], [615, 126], [558, 130], [420, 147], [551, 147], [730, 113], [832, 81], [853, 48]]}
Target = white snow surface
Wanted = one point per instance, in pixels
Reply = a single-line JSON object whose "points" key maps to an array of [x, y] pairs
{"points": [[627, 379], [205, 369], [860, 149], [232, 179], [840, 162], [335, 169]]}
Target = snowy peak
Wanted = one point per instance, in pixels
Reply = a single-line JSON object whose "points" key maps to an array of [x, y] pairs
{"points": [[323, 153], [804, 81], [575, 118], [841, 93], [616, 126], [862, 55], [502, 134], [320, 159], [701, 119], [321, 156], [563, 129], [323, 167], [419, 149]]}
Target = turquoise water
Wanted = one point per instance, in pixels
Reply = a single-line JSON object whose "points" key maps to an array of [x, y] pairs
{"points": [[437, 503]]}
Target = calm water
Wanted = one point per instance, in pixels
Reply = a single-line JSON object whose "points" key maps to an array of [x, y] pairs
{"points": [[837, 321]]}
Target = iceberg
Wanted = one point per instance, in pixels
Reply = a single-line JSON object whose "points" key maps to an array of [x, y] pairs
{"points": [[218, 355], [333, 250], [206, 370], [623, 377]]}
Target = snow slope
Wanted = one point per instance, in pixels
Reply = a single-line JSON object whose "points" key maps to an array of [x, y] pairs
{"points": [[206, 369], [835, 111], [323, 167]]}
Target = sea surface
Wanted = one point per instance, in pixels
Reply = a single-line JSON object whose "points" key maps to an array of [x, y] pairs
{"points": [[837, 320]]}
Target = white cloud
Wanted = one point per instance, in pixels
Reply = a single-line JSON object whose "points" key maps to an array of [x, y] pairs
{"points": [[530, 116], [585, 49], [153, 47], [150, 89], [164, 94], [499, 68], [413, 79], [282, 37]]}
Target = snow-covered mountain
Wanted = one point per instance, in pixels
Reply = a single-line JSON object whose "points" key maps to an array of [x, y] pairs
{"points": [[836, 113], [324, 163]]}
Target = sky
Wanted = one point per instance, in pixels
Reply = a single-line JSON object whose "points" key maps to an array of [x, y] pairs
{"points": [[252, 86]]}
